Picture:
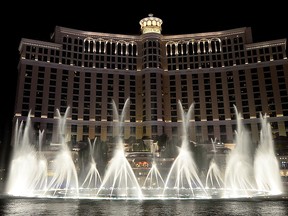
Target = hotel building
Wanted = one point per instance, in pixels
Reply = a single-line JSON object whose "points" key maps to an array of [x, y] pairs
{"points": [[213, 71]]}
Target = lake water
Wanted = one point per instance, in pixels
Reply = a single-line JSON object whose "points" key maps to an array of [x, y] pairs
{"points": [[72, 207]]}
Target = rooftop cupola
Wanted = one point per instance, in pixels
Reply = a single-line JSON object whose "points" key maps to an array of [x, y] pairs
{"points": [[151, 24]]}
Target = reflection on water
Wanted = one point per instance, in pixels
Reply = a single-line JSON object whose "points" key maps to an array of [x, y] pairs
{"points": [[71, 207]]}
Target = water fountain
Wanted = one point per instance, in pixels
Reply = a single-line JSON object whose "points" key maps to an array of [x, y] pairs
{"points": [[119, 179], [154, 179], [214, 176], [183, 176], [247, 173], [93, 178]]}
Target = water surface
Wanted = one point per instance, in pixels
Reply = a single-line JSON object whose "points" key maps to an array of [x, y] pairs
{"points": [[70, 207]]}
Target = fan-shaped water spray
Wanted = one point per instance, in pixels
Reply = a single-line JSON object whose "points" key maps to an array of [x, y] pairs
{"points": [[184, 174], [154, 179], [28, 166], [214, 176], [93, 178], [239, 168], [64, 173], [266, 164], [119, 179]]}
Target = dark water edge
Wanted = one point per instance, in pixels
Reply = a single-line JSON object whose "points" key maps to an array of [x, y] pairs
{"points": [[275, 206]]}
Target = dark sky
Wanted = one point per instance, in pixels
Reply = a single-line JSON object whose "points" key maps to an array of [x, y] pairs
{"points": [[37, 21]]}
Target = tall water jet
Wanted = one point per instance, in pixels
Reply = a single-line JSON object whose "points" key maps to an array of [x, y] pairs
{"points": [[183, 179], [214, 176], [65, 176], [239, 177], [40, 179], [28, 167], [119, 179], [154, 178], [93, 177], [266, 165]]}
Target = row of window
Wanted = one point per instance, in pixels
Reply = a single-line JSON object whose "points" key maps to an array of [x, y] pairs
{"points": [[181, 55], [210, 130], [173, 100]]}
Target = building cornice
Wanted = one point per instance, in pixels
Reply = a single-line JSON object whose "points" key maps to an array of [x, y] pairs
{"points": [[85, 34], [279, 42], [38, 43], [225, 33]]}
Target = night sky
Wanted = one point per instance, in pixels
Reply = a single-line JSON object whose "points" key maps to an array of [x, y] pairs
{"points": [[37, 21]]}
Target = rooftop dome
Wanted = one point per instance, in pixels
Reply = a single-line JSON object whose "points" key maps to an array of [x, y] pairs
{"points": [[151, 24]]}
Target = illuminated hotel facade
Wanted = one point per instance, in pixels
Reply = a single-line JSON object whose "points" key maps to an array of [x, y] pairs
{"points": [[214, 71]]}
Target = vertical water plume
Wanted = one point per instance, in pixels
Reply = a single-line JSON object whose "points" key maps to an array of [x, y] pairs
{"points": [[119, 179], [214, 175], [239, 168], [154, 178], [93, 173], [266, 165], [28, 168], [65, 176], [184, 173]]}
